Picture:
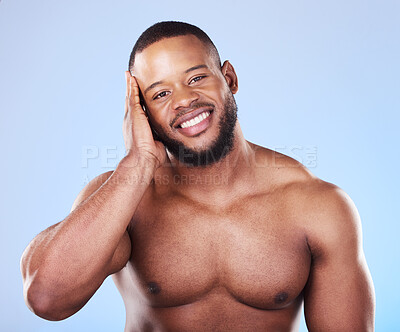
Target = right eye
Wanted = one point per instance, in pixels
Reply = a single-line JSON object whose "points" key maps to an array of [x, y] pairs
{"points": [[160, 95]]}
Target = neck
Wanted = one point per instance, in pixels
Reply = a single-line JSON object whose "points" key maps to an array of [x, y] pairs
{"points": [[219, 176]]}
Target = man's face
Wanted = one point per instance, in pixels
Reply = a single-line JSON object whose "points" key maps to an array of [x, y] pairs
{"points": [[188, 99]]}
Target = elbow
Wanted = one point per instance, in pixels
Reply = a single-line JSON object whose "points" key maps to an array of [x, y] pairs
{"points": [[40, 299], [43, 305]]}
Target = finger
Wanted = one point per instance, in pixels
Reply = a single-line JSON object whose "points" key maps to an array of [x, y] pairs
{"points": [[134, 97], [127, 75], [127, 93]]}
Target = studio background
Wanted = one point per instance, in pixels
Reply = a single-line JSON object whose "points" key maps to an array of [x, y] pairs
{"points": [[318, 81]]}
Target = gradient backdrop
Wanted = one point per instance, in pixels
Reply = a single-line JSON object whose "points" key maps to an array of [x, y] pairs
{"points": [[319, 81]]}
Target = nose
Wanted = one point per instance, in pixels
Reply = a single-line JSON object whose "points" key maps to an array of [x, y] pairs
{"points": [[183, 97]]}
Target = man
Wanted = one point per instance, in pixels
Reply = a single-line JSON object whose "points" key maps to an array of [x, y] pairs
{"points": [[200, 229]]}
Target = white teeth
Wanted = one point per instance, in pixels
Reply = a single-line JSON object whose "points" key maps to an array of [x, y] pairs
{"points": [[196, 120]]}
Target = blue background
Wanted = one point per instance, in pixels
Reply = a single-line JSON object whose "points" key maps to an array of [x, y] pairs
{"points": [[318, 80]]}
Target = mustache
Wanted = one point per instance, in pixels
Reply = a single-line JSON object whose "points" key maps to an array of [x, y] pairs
{"points": [[190, 109]]}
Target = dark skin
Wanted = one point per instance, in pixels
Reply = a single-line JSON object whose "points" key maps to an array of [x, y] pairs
{"points": [[189, 252]]}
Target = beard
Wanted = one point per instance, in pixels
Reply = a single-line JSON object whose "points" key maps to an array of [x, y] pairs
{"points": [[218, 149]]}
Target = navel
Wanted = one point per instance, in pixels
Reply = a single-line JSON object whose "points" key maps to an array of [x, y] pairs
{"points": [[281, 297], [153, 288]]}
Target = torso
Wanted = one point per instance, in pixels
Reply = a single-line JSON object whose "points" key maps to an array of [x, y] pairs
{"points": [[198, 266]]}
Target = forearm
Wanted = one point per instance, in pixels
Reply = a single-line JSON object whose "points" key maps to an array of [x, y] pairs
{"points": [[68, 262]]}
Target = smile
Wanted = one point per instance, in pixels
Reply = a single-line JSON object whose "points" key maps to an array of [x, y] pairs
{"points": [[192, 122], [195, 123]]}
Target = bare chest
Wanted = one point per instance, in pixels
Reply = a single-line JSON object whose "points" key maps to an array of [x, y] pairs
{"points": [[183, 251]]}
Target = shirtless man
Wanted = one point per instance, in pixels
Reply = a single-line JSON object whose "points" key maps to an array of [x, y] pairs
{"points": [[204, 231]]}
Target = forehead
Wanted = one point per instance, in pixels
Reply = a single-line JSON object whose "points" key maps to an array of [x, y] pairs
{"points": [[171, 56]]}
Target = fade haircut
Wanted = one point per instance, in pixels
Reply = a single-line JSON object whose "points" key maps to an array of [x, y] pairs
{"points": [[168, 29]]}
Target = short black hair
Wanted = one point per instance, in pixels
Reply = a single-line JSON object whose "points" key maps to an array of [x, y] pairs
{"points": [[170, 29]]}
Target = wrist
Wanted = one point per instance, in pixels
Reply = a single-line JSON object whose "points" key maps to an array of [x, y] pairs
{"points": [[141, 162], [132, 170]]}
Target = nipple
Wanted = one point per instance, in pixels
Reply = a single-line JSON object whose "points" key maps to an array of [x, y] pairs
{"points": [[281, 297], [153, 287]]}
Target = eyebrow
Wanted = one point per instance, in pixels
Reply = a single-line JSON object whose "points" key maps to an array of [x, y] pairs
{"points": [[152, 86], [194, 68]]}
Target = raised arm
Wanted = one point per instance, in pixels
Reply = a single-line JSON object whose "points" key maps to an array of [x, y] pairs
{"points": [[65, 264], [339, 294]]}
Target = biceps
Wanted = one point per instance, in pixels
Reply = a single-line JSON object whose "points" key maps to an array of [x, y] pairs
{"points": [[339, 296], [121, 254]]}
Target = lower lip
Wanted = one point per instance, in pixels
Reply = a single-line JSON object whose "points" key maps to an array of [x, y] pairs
{"points": [[197, 128]]}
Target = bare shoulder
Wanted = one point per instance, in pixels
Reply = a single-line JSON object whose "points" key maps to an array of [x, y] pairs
{"points": [[90, 188], [280, 171], [323, 210], [332, 219]]}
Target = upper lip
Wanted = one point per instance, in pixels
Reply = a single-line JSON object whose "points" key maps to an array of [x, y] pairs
{"points": [[191, 115]]}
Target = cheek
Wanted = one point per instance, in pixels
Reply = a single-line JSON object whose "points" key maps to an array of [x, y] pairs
{"points": [[161, 122], [155, 119], [214, 93]]}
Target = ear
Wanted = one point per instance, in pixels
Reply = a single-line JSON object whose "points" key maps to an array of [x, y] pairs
{"points": [[230, 76]]}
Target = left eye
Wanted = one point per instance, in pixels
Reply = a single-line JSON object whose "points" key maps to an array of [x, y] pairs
{"points": [[198, 78]]}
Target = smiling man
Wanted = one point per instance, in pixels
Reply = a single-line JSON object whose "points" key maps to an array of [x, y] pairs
{"points": [[187, 252]]}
